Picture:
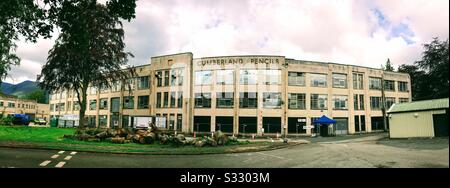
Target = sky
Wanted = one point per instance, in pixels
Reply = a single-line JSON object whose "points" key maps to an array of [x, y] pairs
{"points": [[358, 32]]}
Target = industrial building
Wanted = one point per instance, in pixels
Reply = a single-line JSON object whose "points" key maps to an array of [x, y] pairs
{"points": [[428, 118], [252, 94], [14, 105]]}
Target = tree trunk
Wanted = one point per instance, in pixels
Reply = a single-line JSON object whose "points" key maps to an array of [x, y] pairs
{"points": [[82, 107]]}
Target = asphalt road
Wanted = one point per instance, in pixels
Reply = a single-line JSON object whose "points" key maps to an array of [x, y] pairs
{"points": [[421, 153]]}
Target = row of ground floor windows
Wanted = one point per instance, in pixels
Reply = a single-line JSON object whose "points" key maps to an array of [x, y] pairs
{"points": [[296, 125]]}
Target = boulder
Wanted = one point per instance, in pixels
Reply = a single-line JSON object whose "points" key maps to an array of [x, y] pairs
{"points": [[232, 139], [200, 143], [180, 137], [211, 142], [141, 132], [164, 139], [220, 138], [118, 140], [102, 135]]}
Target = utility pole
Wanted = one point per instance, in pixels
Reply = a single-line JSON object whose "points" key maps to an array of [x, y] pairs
{"points": [[383, 103]]}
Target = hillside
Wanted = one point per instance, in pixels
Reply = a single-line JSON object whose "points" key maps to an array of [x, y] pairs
{"points": [[20, 89]]}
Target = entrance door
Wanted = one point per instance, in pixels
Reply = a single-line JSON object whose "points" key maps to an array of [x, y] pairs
{"points": [[440, 124]]}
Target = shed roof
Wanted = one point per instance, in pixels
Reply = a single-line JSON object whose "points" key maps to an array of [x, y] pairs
{"points": [[419, 105]]}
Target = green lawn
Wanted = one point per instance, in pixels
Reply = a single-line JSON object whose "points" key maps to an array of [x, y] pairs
{"points": [[52, 138]]}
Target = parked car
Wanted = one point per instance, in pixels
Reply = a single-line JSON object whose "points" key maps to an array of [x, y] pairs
{"points": [[40, 121]]}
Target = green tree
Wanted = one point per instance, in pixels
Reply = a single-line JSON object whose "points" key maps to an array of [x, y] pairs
{"points": [[429, 76], [19, 18], [388, 66], [89, 50], [419, 83], [435, 63], [38, 95]]}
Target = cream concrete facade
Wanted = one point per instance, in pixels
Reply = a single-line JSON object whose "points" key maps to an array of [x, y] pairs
{"points": [[14, 105], [269, 76]]}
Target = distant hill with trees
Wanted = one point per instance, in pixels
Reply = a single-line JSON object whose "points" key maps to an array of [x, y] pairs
{"points": [[25, 90]]}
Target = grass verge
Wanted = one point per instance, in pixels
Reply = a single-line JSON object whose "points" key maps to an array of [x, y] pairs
{"points": [[52, 138]]}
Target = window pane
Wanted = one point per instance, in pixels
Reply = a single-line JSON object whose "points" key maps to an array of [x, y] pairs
{"points": [[225, 77], [249, 77], [339, 80], [318, 80]]}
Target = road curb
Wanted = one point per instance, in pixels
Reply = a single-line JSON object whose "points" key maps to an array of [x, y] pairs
{"points": [[270, 148]]}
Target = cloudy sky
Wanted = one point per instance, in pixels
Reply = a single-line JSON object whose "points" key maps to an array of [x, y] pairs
{"points": [[359, 32]]}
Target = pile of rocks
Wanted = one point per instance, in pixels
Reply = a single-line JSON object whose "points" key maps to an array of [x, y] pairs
{"points": [[141, 136]]}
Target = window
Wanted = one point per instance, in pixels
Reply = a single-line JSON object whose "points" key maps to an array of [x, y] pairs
{"points": [[340, 102], [52, 107], [319, 101], [92, 91], [172, 99], [248, 100], [403, 86], [143, 82], [272, 77], [224, 77], [128, 102], [375, 103], [249, 77], [271, 100], [177, 77], [103, 88], [143, 102], [180, 99], [115, 86], [61, 106], [224, 99], [203, 77], [318, 80], [166, 100], [358, 102], [76, 105], [203, 100], [389, 102], [166, 78], [158, 100], [297, 100], [93, 104], [115, 104], [103, 121], [374, 83], [159, 78], [389, 85], [1, 103], [103, 103], [403, 100], [11, 105], [296, 79], [130, 84], [339, 80], [358, 80]]}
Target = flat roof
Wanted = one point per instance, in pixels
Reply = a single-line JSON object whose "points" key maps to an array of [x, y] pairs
{"points": [[433, 104]]}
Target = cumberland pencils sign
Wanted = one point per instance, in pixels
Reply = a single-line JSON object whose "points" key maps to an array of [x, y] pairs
{"points": [[239, 60]]}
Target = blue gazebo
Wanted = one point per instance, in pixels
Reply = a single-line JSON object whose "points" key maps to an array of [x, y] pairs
{"points": [[324, 121]]}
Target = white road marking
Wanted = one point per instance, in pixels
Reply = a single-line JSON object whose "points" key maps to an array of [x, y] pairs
{"points": [[273, 156], [60, 164], [60, 152], [45, 163], [55, 156], [68, 158], [73, 153]]}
